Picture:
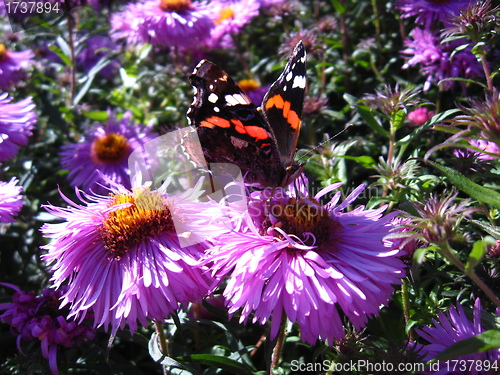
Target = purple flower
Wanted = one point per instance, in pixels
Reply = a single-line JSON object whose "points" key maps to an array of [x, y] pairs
{"points": [[96, 49], [12, 66], [39, 318], [254, 90], [122, 255], [438, 61], [104, 151], [427, 11], [16, 122], [10, 200], [230, 16], [304, 261], [166, 23], [487, 146], [450, 328]]}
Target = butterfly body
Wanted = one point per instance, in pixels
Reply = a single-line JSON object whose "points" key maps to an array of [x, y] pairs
{"points": [[260, 141]]}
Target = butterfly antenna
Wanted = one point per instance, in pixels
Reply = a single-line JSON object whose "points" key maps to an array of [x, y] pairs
{"points": [[348, 126]]}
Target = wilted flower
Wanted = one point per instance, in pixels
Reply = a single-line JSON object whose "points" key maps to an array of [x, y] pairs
{"points": [[451, 328], [438, 217], [104, 151], [439, 61], [294, 258], [16, 122], [167, 23], [391, 100], [474, 22], [482, 116], [10, 200], [122, 254], [12, 66], [40, 318], [427, 11]]}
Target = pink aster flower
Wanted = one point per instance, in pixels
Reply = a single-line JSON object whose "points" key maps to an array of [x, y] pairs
{"points": [[438, 61], [10, 200], [420, 116], [166, 23], [39, 318], [104, 151], [16, 122], [121, 255], [305, 261], [230, 16], [452, 327], [12, 66], [427, 11]]}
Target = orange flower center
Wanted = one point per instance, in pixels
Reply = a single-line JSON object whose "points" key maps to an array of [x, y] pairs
{"points": [[110, 149], [248, 84], [299, 217], [3, 52], [177, 6], [147, 215], [225, 14]]}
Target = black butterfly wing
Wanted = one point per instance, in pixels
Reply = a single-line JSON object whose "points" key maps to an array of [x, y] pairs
{"points": [[283, 103], [231, 129]]}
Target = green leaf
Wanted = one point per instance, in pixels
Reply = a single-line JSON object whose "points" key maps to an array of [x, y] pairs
{"points": [[399, 119], [492, 230], [436, 119], [225, 363], [476, 255], [338, 6], [96, 115], [476, 191], [366, 161], [465, 80], [366, 114], [480, 343]]}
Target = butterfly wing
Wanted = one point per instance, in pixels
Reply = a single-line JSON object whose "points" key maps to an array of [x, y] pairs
{"points": [[283, 103], [231, 129]]}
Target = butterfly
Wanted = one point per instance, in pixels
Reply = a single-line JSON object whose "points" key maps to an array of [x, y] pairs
{"points": [[261, 141]]}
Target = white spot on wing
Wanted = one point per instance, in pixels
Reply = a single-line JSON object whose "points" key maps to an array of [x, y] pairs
{"points": [[212, 98], [289, 76], [299, 81], [236, 99]]}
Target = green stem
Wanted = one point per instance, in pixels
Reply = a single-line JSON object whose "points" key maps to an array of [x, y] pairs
{"points": [[405, 295], [487, 73], [275, 361], [449, 253], [162, 339]]}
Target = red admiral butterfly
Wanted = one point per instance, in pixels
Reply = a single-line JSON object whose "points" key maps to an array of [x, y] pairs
{"points": [[260, 141]]}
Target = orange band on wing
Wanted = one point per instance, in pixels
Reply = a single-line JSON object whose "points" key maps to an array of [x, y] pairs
{"points": [[215, 121], [291, 116]]}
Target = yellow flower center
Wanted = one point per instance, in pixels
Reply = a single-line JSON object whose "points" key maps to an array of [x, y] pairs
{"points": [[110, 149], [225, 14], [299, 217], [177, 6], [148, 215], [248, 84], [3, 52]]}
